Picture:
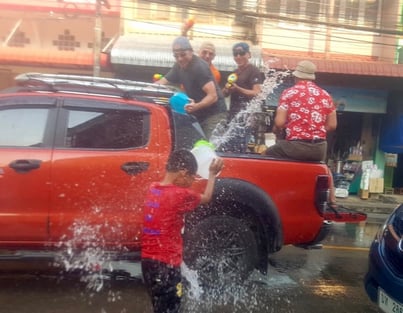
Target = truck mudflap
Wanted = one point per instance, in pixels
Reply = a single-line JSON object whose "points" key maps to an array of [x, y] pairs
{"points": [[343, 214]]}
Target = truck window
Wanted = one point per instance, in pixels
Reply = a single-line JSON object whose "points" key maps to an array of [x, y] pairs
{"points": [[187, 131], [106, 129], [23, 127]]}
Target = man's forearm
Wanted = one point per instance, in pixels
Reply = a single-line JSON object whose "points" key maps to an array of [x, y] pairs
{"points": [[207, 101]]}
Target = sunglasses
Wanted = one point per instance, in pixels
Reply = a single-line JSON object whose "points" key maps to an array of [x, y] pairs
{"points": [[180, 54], [236, 53]]}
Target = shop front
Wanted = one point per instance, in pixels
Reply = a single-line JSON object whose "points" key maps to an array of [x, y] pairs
{"points": [[360, 114], [391, 141]]}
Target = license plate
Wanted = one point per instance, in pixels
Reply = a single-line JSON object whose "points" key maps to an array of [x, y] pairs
{"points": [[388, 304]]}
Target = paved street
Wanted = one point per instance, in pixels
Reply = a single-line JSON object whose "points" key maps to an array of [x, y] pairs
{"points": [[300, 281]]}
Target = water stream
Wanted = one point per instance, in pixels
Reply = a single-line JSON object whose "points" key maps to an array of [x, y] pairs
{"points": [[234, 136]]}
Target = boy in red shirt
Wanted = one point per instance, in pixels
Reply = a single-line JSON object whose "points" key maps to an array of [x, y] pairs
{"points": [[162, 247]]}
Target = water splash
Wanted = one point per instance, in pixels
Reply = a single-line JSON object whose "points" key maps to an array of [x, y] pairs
{"points": [[193, 288], [233, 136], [238, 297], [213, 298], [241, 297], [84, 252]]}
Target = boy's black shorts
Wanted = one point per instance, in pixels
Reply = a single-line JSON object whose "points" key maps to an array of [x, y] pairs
{"points": [[163, 282]]}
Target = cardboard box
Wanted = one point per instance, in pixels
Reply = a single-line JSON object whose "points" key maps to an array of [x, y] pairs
{"points": [[376, 185], [354, 157], [364, 194]]}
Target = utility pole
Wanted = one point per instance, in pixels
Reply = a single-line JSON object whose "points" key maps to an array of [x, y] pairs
{"points": [[329, 13], [98, 38], [98, 35]]}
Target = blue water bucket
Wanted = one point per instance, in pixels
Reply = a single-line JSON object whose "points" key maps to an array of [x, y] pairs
{"points": [[178, 102]]}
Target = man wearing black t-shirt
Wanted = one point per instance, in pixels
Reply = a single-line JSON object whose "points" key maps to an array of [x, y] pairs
{"points": [[207, 102], [248, 83]]}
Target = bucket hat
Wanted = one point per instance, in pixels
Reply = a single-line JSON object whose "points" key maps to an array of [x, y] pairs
{"points": [[305, 70]]}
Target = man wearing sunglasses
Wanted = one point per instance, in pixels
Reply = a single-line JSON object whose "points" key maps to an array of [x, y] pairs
{"points": [[207, 103], [248, 83]]}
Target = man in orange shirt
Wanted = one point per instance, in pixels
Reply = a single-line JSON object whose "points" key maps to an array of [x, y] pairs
{"points": [[207, 53]]}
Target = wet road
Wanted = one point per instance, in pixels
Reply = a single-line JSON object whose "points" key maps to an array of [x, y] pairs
{"points": [[326, 280]]}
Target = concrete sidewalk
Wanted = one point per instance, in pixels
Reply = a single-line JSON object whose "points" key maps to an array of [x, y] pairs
{"points": [[378, 204]]}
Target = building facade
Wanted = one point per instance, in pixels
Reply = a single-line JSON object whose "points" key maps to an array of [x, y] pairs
{"points": [[55, 36]]}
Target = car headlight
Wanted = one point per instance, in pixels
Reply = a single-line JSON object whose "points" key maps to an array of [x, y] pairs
{"points": [[390, 238]]}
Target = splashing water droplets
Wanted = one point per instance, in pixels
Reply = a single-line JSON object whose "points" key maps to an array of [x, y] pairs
{"points": [[233, 136], [194, 290], [84, 252], [201, 299]]}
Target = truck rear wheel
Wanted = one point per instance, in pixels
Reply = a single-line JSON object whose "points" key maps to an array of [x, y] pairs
{"points": [[221, 249]]}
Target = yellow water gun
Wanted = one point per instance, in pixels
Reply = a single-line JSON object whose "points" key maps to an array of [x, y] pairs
{"points": [[232, 78], [157, 77]]}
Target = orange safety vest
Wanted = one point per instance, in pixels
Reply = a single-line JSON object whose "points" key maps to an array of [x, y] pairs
{"points": [[216, 73]]}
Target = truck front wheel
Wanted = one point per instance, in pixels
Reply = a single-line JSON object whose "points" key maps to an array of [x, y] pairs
{"points": [[221, 249]]}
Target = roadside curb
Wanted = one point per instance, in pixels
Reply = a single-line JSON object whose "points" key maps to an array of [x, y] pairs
{"points": [[378, 206]]}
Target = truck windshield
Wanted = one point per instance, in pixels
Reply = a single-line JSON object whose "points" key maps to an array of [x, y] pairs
{"points": [[186, 131]]}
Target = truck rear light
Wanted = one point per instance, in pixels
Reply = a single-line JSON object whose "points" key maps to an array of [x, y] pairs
{"points": [[336, 213], [321, 193]]}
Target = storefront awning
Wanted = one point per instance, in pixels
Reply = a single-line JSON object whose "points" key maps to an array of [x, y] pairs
{"points": [[157, 52], [141, 50], [353, 67]]}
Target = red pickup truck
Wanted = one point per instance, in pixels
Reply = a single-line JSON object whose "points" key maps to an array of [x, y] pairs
{"points": [[77, 154]]}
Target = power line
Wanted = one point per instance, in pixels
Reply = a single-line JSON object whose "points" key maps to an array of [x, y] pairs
{"points": [[165, 10], [185, 4]]}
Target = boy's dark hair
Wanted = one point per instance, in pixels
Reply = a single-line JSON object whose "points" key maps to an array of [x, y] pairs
{"points": [[182, 160]]}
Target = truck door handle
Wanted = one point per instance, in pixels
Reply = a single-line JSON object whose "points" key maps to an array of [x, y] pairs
{"points": [[23, 166], [134, 168]]}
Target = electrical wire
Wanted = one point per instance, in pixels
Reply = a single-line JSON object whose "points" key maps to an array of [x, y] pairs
{"points": [[164, 9]]}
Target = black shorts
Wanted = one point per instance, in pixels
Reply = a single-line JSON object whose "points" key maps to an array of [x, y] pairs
{"points": [[163, 283]]}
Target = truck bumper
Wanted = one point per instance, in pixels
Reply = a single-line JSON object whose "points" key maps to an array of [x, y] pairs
{"points": [[322, 234]]}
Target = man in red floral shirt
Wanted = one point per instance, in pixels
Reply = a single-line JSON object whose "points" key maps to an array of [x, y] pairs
{"points": [[306, 113]]}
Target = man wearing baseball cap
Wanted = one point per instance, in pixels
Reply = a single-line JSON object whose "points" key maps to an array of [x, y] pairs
{"points": [[248, 83], [241, 87], [207, 103]]}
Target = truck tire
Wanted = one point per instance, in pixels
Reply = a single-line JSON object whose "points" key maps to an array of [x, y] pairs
{"points": [[222, 249]]}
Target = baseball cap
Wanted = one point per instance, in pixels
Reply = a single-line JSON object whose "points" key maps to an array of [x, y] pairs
{"points": [[181, 43], [241, 45]]}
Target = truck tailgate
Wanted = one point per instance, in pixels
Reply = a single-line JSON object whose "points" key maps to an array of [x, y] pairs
{"points": [[344, 215]]}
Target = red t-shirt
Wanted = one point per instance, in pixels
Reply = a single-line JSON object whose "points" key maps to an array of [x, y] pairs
{"points": [[307, 107], [164, 208]]}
